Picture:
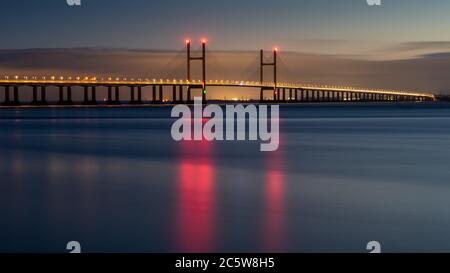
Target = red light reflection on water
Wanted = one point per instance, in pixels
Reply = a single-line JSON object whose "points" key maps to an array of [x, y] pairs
{"points": [[274, 238], [195, 223]]}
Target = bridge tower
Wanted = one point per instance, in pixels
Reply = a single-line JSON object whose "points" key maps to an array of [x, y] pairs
{"points": [[261, 70], [202, 58]]}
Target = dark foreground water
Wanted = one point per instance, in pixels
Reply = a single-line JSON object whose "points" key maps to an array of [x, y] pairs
{"points": [[114, 180]]}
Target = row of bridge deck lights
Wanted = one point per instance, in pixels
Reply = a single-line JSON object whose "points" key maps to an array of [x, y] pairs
{"points": [[54, 79], [305, 95]]}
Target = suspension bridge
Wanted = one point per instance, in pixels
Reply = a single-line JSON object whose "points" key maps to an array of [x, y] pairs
{"points": [[181, 90]]}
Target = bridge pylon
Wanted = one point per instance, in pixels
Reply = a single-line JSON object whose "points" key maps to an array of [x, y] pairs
{"points": [[261, 70], [201, 58]]}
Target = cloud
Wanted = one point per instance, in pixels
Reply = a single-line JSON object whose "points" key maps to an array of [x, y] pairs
{"points": [[422, 45]]}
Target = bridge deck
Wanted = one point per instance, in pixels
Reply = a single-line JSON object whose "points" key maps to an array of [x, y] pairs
{"points": [[218, 83]]}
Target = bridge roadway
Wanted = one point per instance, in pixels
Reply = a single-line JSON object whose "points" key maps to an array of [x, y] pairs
{"points": [[181, 91]]}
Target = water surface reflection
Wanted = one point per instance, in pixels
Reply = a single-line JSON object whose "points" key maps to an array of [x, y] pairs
{"points": [[195, 223]]}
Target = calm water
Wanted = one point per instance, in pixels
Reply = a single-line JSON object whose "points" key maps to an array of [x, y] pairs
{"points": [[114, 180]]}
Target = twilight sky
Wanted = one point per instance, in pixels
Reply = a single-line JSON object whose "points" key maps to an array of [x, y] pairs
{"points": [[344, 26], [346, 32]]}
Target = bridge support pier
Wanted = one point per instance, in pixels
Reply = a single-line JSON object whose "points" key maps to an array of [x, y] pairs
{"points": [[139, 94], [261, 94], [174, 93], [86, 95], [61, 95], [36, 100], [136, 95], [65, 100], [153, 93], [94, 95], [133, 93], [180, 94], [14, 101], [69, 95], [117, 98], [44, 95], [35, 95], [7, 99], [161, 94], [132, 100], [93, 98], [16, 95], [109, 99], [189, 95]]}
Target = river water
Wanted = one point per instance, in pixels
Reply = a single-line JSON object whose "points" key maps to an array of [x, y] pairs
{"points": [[114, 180]]}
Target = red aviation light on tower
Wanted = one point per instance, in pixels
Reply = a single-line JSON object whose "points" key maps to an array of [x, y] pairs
{"points": [[204, 41], [276, 49], [188, 41]]}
